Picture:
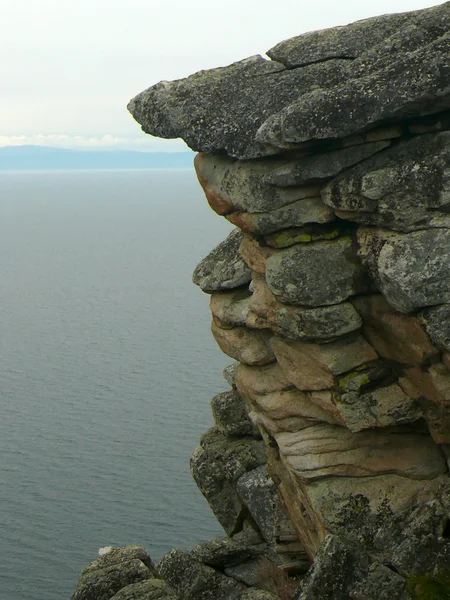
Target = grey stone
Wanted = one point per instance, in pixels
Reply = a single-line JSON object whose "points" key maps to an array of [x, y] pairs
{"points": [[216, 465], [231, 414], [316, 168], [316, 274], [193, 580], [307, 210], [322, 323], [229, 374], [103, 582], [247, 572], [412, 270], [113, 555], [257, 490], [231, 185], [396, 90], [153, 589], [357, 39], [365, 75], [381, 583], [404, 188], [332, 574], [229, 552], [223, 268], [210, 109], [436, 322]]}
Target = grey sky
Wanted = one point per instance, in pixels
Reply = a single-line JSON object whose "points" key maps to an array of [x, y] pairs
{"points": [[69, 67]]}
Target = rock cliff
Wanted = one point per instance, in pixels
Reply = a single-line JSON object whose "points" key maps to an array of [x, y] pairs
{"points": [[331, 447]]}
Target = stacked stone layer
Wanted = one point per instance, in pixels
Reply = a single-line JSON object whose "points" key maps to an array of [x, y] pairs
{"points": [[332, 294]]}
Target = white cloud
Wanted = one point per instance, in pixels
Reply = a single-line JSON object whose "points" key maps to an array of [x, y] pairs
{"points": [[104, 142]]}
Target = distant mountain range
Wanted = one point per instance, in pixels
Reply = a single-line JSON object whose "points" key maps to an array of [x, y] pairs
{"points": [[44, 158]]}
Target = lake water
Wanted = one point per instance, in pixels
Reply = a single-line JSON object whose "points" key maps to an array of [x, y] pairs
{"points": [[107, 369]]}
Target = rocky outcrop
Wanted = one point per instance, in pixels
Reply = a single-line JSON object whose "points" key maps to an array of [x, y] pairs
{"points": [[331, 447]]}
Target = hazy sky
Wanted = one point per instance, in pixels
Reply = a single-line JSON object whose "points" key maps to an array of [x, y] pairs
{"points": [[69, 67]]}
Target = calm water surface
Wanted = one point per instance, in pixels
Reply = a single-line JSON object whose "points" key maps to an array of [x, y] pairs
{"points": [[107, 368]]}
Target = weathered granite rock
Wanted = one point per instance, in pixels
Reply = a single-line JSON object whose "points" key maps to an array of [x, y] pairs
{"points": [[256, 107], [152, 589], [404, 188], [257, 491], [412, 270], [229, 374], [113, 555], [366, 100], [199, 108], [231, 414], [223, 268], [333, 573], [307, 210], [193, 580], [316, 274], [246, 345], [319, 167], [322, 323], [228, 552], [436, 322], [216, 464], [103, 583], [231, 185]]}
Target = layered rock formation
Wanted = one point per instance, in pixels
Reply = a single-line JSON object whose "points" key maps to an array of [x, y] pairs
{"points": [[332, 159]]}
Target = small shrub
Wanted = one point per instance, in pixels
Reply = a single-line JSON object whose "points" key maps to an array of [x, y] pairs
{"points": [[274, 580], [426, 587]]}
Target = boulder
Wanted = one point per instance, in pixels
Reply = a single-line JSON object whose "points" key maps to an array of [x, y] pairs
{"points": [[412, 269], [257, 491], [404, 188], [103, 583], [229, 552], [231, 414], [316, 274], [152, 589], [223, 268], [193, 580], [216, 464]]}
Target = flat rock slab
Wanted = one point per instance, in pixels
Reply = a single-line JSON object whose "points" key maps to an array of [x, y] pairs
{"points": [[324, 450], [346, 80], [223, 268]]}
